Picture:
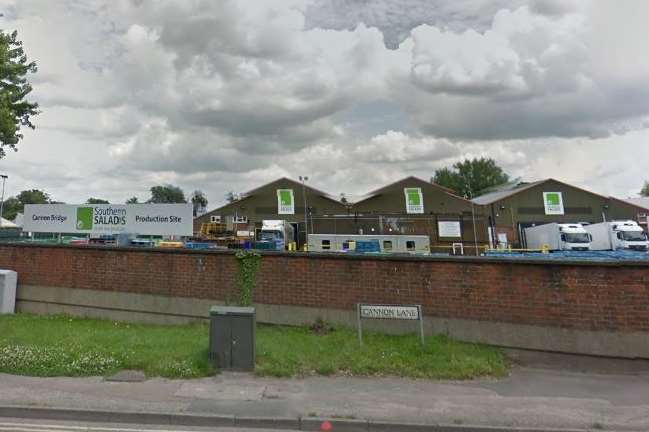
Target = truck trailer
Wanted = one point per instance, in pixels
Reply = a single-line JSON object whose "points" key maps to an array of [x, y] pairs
{"points": [[558, 237], [616, 235]]}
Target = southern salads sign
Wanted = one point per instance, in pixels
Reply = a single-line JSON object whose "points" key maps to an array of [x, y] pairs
{"points": [[414, 200], [553, 203], [146, 219], [285, 201]]}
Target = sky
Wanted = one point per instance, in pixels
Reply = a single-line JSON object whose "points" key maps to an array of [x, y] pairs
{"points": [[227, 95]]}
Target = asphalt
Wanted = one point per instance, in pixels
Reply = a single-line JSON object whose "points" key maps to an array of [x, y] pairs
{"points": [[530, 397]]}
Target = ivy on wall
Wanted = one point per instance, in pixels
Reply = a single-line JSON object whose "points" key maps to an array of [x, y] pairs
{"points": [[246, 279]]}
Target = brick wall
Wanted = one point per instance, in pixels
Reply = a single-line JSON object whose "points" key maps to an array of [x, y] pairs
{"points": [[602, 297]]}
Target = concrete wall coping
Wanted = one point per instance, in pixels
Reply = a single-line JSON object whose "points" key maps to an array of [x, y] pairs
{"points": [[343, 256]]}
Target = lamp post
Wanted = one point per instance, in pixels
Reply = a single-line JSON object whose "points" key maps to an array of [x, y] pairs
{"points": [[2, 200], [304, 179], [469, 195]]}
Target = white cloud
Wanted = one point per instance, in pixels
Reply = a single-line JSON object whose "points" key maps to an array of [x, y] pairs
{"points": [[226, 95]]}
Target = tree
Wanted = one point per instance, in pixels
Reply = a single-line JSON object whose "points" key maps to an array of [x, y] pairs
{"points": [[199, 202], [471, 177], [14, 205], [132, 200], [96, 201], [645, 189], [231, 197], [15, 111], [166, 194]]}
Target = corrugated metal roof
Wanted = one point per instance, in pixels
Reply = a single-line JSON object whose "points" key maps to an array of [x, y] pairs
{"points": [[382, 189], [506, 191], [640, 202]]}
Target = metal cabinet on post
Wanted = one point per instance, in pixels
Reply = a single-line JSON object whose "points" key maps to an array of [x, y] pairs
{"points": [[232, 337]]}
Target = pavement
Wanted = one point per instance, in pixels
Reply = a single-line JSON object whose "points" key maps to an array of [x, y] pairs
{"points": [[531, 397]]}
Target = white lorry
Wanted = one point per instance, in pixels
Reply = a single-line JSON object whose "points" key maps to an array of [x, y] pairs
{"points": [[276, 232], [555, 237], [615, 235]]}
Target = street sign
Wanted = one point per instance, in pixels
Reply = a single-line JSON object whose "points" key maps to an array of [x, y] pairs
{"points": [[389, 312]]}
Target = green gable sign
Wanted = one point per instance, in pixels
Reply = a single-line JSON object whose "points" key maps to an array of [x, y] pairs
{"points": [[414, 200], [285, 201], [553, 203]]}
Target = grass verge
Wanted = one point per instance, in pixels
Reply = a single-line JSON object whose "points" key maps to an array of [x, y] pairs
{"points": [[70, 346]]}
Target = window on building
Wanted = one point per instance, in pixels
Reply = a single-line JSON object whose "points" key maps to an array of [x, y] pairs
{"points": [[326, 244], [410, 245], [215, 219], [387, 245]]}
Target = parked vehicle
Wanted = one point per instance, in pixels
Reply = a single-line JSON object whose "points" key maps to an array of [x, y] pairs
{"points": [[556, 237], [615, 235], [275, 232], [413, 244]]}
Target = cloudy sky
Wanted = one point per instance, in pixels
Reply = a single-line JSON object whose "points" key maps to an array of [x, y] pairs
{"points": [[225, 95]]}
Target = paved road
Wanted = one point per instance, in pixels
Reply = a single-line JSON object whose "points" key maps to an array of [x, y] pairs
{"points": [[23, 425], [529, 397]]}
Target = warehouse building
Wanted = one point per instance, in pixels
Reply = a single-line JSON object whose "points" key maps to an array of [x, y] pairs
{"points": [[643, 216], [280, 199], [417, 207], [516, 207]]}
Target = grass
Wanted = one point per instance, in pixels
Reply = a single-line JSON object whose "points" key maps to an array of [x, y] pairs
{"points": [[70, 346]]}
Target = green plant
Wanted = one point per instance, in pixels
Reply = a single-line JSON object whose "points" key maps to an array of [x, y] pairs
{"points": [[247, 275]]}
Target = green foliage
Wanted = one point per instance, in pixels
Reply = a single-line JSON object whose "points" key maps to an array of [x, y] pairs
{"points": [[14, 205], [132, 200], [199, 201], [471, 177], [246, 280], [167, 194], [96, 201], [15, 111], [69, 346], [645, 189], [291, 351], [231, 197]]}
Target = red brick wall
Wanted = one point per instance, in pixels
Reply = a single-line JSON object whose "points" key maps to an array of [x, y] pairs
{"points": [[604, 296]]}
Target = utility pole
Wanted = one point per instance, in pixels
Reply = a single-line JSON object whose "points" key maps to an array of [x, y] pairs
{"points": [[2, 200], [470, 194], [304, 179]]}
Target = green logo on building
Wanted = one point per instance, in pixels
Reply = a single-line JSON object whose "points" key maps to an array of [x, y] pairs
{"points": [[553, 199], [414, 200], [285, 197], [84, 218], [553, 202], [414, 197], [285, 201]]}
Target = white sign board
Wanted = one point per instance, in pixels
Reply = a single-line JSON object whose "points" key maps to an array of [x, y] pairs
{"points": [[389, 312], [449, 229], [146, 219], [414, 200], [285, 201], [553, 203]]}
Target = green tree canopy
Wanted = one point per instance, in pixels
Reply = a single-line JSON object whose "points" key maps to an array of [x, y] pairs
{"points": [[471, 177], [132, 200], [199, 201], [167, 194], [15, 111], [14, 205], [645, 189], [97, 201]]}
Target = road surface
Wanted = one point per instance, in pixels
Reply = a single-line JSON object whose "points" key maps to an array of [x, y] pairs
{"points": [[30, 425]]}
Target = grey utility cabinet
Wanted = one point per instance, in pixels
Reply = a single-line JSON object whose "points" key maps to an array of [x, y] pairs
{"points": [[232, 337]]}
